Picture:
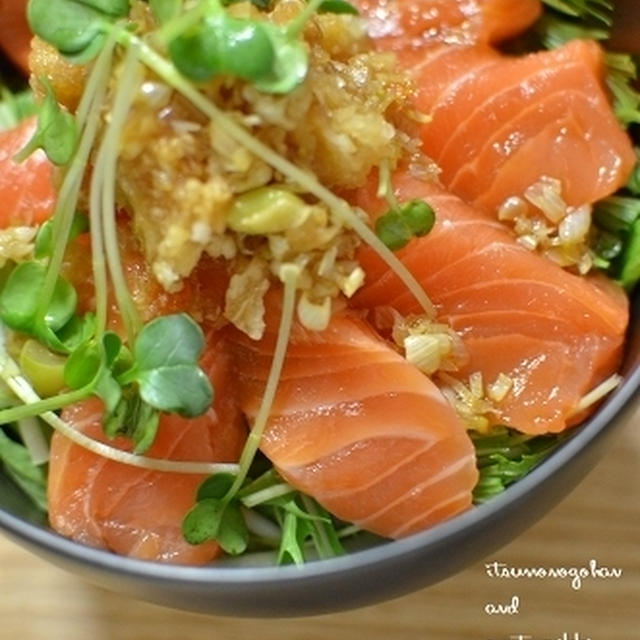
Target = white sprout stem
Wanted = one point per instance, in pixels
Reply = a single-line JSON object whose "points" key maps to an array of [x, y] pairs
{"points": [[98, 83], [24, 391], [67, 199], [98, 261], [338, 206], [109, 155], [595, 395], [261, 526], [289, 275], [385, 187], [349, 531], [295, 27], [323, 545], [30, 431], [181, 23], [278, 490]]}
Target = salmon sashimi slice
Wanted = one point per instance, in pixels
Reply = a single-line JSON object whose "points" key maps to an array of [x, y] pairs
{"points": [[136, 512], [15, 36], [499, 124], [128, 510], [358, 428], [202, 294], [398, 24], [555, 335], [26, 189]]}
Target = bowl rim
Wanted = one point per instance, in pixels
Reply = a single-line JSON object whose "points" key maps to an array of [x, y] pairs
{"points": [[46, 540]]}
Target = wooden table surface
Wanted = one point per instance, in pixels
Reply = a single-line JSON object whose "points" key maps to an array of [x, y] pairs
{"points": [[598, 523]]}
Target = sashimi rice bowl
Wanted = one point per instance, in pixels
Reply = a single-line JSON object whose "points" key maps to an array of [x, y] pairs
{"points": [[306, 304]]}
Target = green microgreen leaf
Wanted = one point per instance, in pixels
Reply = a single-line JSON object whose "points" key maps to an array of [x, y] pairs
{"points": [[633, 184], [216, 486], [621, 77], [555, 32], [202, 521], [294, 534], [591, 19], [168, 341], [600, 10], [77, 331], [338, 6], [93, 367], [305, 524], [289, 504], [83, 365], [617, 214], [290, 65], [217, 516], [418, 216], [89, 368], [109, 391], [630, 258], [15, 107], [324, 534], [77, 28], [165, 366], [44, 239], [260, 4], [20, 300], [232, 534], [19, 467], [55, 132], [300, 521], [566, 20], [505, 456], [165, 10], [392, 230], [114, 8], [181, 389], [271, 56], [265, 480], [225, 45], [404, 221], [131, 417], [219, 520], [617, 239]]}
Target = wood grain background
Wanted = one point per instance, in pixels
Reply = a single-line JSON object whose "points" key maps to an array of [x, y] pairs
{"points": [[599, 521]]}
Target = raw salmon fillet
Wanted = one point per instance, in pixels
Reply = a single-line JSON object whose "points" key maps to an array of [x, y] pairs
{"points": [[26, 189], [136, 512], [15, 37], [555, 334], [397, 24], [358, 428], [499, 124]]}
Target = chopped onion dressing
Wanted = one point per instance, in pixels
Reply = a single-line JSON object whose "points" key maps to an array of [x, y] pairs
{"points": [[544, 223]]}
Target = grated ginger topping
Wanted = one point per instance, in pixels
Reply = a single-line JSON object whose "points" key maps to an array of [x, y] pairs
{"points": [[179, 175]]}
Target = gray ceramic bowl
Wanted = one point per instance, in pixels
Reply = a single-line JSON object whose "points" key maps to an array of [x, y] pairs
{"points": [[363, 577]]}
